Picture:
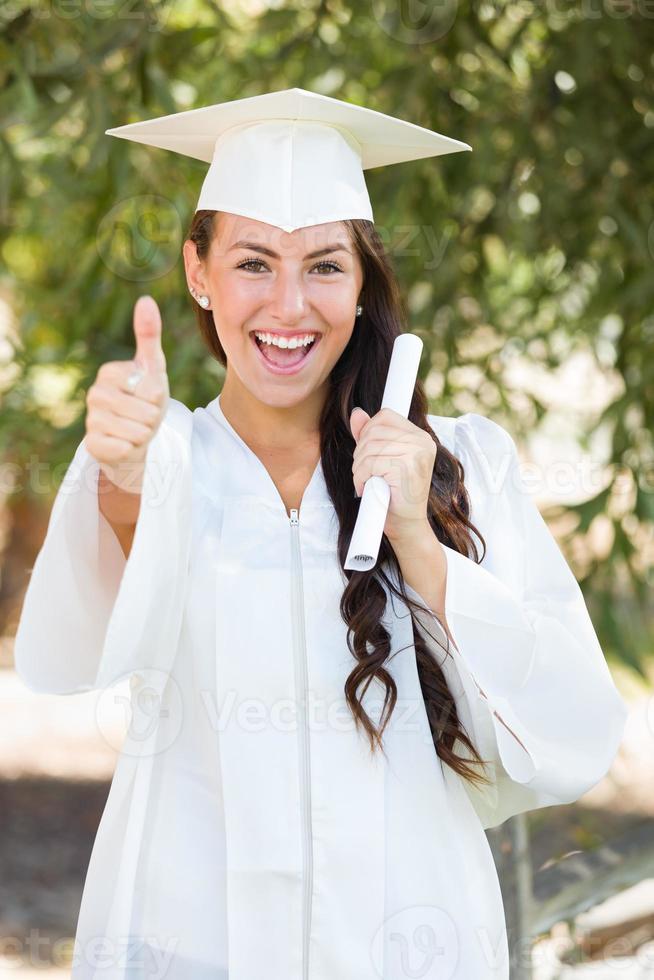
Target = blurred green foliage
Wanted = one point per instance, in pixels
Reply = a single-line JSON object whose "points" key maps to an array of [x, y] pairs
{"points": [[536, 247]]}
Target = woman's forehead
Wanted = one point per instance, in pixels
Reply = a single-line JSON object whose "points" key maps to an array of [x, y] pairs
{"points": [[239, 231]]}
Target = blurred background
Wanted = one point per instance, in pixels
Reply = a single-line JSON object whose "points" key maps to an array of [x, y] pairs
{"points": [[527, 269]]}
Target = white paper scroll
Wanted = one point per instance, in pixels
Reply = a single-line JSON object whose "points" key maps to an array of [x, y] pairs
{"points": [[376, 496]]}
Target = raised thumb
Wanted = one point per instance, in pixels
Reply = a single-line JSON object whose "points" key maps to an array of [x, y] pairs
{"points": [[147, 333]]}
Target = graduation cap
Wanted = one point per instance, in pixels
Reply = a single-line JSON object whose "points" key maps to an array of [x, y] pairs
{"points": [[291, 158]]}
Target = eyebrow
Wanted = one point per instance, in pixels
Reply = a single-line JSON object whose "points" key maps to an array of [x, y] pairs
{"points": [[256, 247]]}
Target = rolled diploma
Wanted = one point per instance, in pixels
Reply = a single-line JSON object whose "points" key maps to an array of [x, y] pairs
{"points": [[373, 508]]}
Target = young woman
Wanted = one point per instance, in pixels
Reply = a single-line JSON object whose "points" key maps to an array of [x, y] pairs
{"points": [[314, 754]]}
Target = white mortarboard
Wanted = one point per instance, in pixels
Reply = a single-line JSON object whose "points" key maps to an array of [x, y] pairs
{"points": [[291, 158]]}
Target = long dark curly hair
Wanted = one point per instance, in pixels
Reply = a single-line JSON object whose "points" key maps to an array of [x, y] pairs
{"points": [[358, 378]]}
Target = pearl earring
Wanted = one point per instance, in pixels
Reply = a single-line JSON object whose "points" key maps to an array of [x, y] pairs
{"points": [[359, 310], [202, 300]]}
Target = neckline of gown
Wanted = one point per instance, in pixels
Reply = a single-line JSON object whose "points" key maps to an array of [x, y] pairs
{"points": [[315, 493]]}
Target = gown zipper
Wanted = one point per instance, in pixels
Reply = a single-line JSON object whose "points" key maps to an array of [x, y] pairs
{"points": [[305, 780]]}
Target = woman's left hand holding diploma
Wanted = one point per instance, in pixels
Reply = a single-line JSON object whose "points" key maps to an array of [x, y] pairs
{"points": [[390, 446]]}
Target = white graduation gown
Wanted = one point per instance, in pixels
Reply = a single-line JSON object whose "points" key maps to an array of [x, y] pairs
{"points": [[248, 832]]}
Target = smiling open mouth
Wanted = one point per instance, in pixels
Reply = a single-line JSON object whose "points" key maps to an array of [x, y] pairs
{"points": [[284, 358]]}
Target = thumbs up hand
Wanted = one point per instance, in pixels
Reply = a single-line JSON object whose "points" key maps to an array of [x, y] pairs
{"points": [[147, 332], [127, 402]]}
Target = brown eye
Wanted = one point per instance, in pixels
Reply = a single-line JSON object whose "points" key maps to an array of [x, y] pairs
{"points": [[332, 266], [250, 262]]}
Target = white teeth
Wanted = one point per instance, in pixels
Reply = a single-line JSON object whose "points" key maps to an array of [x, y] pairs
{"points": [[269, 338]]}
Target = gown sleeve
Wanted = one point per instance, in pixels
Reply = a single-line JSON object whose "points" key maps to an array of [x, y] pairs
{"points": [[527, 672], [90, 616]]}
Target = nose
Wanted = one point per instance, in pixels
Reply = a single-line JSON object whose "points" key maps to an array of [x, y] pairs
{"points": [[288, 302]]}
